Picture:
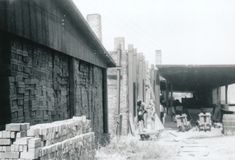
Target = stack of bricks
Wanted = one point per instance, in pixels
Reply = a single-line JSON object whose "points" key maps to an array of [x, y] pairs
{"points": [[39, 84], [59, 131], [68, 139], [9, 146], [78, 147], [89, 95]]}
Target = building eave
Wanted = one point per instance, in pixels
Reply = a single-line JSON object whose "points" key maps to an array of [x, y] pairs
{"points": [[83, 25]]}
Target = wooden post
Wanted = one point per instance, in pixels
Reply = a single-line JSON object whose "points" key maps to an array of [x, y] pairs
{"points": [[119, 93], [120, 124], [226, 94], [105, 102], [167, 94], [171, 102], [72, 90]]}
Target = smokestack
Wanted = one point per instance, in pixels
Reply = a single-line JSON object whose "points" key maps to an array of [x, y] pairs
{"points": [[119, 43], [158, 59], [130, 47], [94, 20]]}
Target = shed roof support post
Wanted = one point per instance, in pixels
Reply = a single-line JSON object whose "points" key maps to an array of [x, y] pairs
{"points": [[167, 94], [218, 96], [226, 94], [105, 102], [171, 90]]}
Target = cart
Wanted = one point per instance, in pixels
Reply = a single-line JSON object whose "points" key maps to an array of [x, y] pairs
{"points": [[149, 135], [182, 122], [204, 122]]}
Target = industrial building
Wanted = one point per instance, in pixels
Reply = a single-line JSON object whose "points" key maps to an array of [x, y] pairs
{"points": [[52, 66]]}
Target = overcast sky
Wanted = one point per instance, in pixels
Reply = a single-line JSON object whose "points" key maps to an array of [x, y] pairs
{"points": [[187, 31]]}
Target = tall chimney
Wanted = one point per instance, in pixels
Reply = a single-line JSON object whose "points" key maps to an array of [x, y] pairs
{"points": [[119, 43], [158, 59], [94, 20]]}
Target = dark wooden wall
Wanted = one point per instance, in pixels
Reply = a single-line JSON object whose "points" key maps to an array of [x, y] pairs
{"points": [[39, 43], [49, 23]]}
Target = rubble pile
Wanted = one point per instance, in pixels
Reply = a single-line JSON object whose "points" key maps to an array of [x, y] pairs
{"points": [[68, 139]]}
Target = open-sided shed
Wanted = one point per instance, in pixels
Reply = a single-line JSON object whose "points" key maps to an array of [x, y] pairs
{"points": [[208, 83]]}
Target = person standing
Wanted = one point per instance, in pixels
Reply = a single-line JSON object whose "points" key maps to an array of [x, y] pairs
{"points": [[162, 112], [140, 118]]}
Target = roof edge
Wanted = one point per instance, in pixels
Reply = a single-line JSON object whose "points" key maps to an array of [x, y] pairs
{"points": [[85, 27]]}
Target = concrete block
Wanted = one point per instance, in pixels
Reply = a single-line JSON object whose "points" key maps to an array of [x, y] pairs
{"points": [[15, 148], [33, 132], [22, 141], [8, 148], [13, 135], [10, 155], [5, 134], [24, 126], [23, 148], [31, 154], [13, 127], [21, 134], [34, 143], [4, 148], [5, 142]]}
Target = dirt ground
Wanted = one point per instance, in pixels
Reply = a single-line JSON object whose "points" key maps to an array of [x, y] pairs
{"points": [[172, 145], [194, 145]]}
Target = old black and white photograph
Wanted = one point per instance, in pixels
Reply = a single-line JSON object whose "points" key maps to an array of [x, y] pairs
{"points": [[117, 80]]}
